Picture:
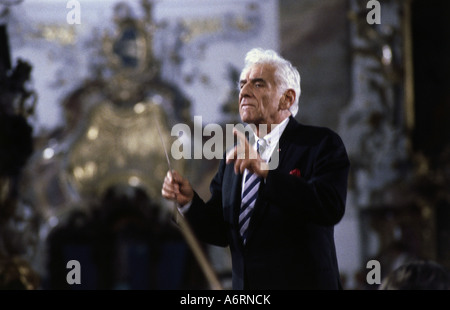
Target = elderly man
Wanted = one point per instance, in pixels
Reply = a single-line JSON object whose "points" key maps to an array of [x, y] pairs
{"points": [[278, 220]]}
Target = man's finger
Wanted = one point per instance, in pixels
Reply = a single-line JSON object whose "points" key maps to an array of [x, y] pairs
{"points": [[174, 176], [167, 193], [237, 164], [243, 147], [242, 140], [169, 176], [243, 166], [231, 155], [168, 186]]}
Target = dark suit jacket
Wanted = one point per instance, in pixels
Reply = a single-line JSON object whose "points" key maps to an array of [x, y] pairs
{"points": [[290, 241]]}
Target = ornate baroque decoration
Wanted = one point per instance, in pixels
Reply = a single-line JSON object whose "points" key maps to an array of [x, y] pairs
{"points": [[111, 133], [396, 194], [120, 141], [120, 146], [374, 124]]}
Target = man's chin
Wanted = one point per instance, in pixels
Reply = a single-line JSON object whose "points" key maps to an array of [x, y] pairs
{"points": [[246, 118]]}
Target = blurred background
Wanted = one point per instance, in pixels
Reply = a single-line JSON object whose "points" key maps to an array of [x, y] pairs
{"points": [[89, 90]]}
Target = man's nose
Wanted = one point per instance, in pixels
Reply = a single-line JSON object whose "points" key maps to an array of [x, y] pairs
{"points": [[245, 91]]}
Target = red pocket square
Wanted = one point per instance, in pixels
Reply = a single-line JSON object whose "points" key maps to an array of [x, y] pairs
{"points": [[295, 172]]}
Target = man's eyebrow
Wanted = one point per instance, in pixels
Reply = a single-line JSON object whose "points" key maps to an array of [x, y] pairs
{"points": [[255, 80]]}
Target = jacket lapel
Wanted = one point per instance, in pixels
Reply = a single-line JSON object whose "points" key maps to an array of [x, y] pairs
{"points": [[236, 200]]}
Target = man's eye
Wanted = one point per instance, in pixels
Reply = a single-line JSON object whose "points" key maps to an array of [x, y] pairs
{"points": [[258, 85]]}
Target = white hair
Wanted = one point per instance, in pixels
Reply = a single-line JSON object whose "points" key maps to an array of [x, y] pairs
{"points": [[286, 75]]}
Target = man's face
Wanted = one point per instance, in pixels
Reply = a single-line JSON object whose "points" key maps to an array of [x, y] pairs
{"points": [[259, 97]]}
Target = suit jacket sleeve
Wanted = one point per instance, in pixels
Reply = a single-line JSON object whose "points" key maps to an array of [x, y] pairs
{"points": [[319, 194], [207, 217]]}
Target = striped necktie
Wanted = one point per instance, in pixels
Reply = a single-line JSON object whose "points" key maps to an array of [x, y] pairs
{"points": [[251, 186]]}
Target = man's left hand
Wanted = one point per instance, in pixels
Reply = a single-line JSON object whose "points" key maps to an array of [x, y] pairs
{"points": [[245, 157]]}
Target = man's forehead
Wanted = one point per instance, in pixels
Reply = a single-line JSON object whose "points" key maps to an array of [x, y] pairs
{"points": [[257, 71]]}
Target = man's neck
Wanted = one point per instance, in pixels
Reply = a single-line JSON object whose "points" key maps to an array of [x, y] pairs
{"points": [[264, 129]]}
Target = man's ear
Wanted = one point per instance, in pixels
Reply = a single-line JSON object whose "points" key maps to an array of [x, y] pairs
{"points": [[287, 100]]}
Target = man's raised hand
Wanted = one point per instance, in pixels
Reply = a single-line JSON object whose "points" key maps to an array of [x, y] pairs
{"points": [[245, 157]]}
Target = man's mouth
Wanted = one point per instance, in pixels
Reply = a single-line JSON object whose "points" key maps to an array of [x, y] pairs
{"points": [[245, 104]]}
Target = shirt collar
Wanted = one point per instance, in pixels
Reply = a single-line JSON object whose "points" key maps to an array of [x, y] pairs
{"points": [[274, 135]]}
